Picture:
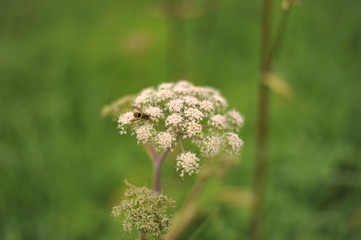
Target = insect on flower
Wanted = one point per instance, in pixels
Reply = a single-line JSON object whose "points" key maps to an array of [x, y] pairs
{"points": [[166, 115], [139, 115]]}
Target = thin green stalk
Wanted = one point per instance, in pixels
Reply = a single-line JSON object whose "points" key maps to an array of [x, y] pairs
{"points": [[188, 211], [261, 143], [280, 30], [268, 52]]}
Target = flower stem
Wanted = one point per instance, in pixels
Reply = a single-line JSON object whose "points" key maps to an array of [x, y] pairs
{"points": [[157, 166], [181, 144], [156, 177], [151, 151]]}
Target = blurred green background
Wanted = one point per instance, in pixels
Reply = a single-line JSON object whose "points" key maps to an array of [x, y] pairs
{"points": [[62, 166]]}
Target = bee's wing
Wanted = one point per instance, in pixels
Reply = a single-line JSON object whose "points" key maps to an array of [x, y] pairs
{"points": [[119, 106], [137, 108], [135, 119]]}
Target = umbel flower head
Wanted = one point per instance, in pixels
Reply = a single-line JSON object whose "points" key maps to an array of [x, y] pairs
{"points": [[144, 211], [173, 112]]}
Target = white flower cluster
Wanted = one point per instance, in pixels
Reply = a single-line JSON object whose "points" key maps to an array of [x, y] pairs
{"points": [[187, 163], [178, 111]]}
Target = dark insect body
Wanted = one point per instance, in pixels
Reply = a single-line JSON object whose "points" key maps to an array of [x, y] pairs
{"points": [[140, 115]]}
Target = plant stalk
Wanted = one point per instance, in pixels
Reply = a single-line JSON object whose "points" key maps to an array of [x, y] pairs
{"points": [[188, 211], [261, 141], [157, 160], [157, 169], [268, 53]]}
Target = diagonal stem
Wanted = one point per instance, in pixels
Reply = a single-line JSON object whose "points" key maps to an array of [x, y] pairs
{"points": [[188, 211], [280, 30], [181, 144], [149, 148]]}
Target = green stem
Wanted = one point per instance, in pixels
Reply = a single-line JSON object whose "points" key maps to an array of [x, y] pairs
{"points": [[280, 30], [188, 211], [268, 53], [181, 144], [261, 142], [157, 165]]}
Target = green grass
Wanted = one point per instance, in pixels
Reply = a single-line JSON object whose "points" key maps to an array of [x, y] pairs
{"points": [[62, 166]]}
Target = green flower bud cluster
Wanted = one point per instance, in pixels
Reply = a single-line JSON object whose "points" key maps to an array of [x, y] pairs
{"points": [[143, 210]]}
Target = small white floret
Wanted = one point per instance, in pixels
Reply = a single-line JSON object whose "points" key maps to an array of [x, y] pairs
{"points": [[234, 142], [236, 118], [165, 94], [155, 113], [125, 118], [145, 133], [218, 121], [165, 140], [220, 101], [193, 113], [206, 105], [175, 105], [187, 163], [193, 129], [123, 121], [173, 120], [191, 101], [210, 146]]}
